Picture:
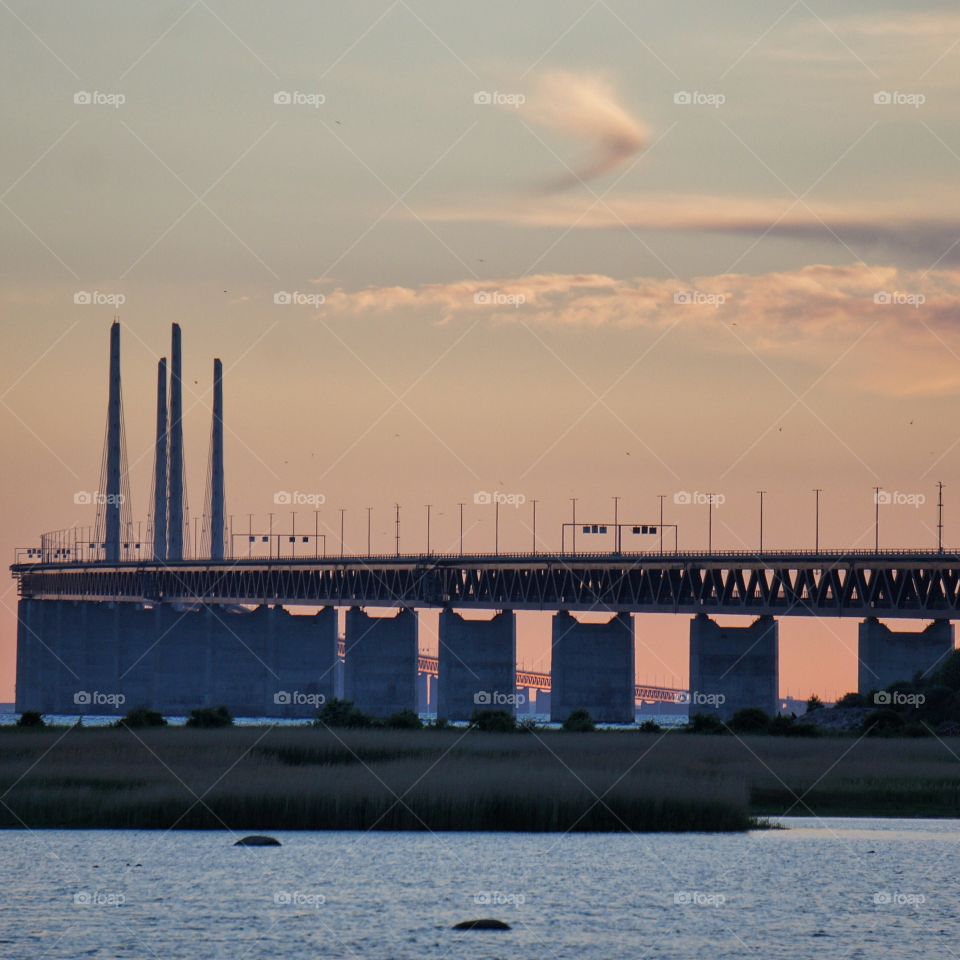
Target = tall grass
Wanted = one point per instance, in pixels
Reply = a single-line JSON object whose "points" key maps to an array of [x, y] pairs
{"points": [[263, 779]]}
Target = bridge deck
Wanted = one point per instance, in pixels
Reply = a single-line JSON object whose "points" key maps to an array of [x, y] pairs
{"points": [[845, 583]]}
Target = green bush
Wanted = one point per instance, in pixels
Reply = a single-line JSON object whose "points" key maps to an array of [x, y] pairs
{"points": [[949, 674], [650, 726], [783, 726], [405, 720], [31, 719], [705, 723], [750, 720], [579, 721], [493, 721], [142, 717], [208, 717], [342, 713], [814, 703], [883, 723], [855, 700]]}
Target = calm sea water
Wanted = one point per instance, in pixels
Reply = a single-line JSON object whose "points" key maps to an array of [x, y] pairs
{"points": [[821, 888]]}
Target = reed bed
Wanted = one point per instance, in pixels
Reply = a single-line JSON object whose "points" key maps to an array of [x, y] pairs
{"points": [[271, 779]]}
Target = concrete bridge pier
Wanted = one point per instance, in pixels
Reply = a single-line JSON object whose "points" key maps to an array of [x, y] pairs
{"points": [[887, 656], [380, 668], [543, 702], [477, 665], [593, 668], [732, 668]]}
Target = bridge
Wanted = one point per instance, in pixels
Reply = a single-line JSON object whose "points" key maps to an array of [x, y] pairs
{"points": [[101, 608]]}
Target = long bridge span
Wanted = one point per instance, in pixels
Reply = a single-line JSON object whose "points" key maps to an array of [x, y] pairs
{"points": [[142, 622]]}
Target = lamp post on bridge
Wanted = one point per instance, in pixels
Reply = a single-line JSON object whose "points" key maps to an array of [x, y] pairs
{"points": [[616, 524], [397, 525], [876, 519], [534, 503], [761, 492], [342, 512], [461, 528], [428, 506], [939, 517], [369, 512], [709, 523], [573, 500], [816, 523], [661, 497]]}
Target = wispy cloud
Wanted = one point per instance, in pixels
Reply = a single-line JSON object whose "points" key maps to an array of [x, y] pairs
{"points": [[585, 106], [801, 313]]}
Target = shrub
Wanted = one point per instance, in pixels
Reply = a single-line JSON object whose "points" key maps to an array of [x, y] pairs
{"points": [[210, 717], [405, 720], [650, 726], [814, 703], [579, 721], [142, 717], [949, 673], [706, 723], [750, 720], [493, 721], [782, 726], [855, 700], [341, 713], [32, 719], [883, 723]]}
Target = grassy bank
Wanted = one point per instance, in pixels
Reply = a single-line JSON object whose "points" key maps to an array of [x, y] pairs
{"points": [[260, 779]]}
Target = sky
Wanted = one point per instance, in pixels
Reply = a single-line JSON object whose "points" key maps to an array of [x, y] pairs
{"points": [[552, 249]]}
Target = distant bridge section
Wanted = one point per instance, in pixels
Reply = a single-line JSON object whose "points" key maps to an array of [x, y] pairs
{"points": [[857, 584]]}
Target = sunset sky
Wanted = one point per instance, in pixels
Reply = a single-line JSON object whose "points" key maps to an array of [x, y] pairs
{"points": [[555, 249]]}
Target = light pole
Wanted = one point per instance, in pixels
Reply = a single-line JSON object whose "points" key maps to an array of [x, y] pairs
{"points": [[316, 535], [616, 524], [270, 537], [573, 500], [939, 517], [534, 502], [293, 532], [461, 528], [816, 523], [496, 525], [876, 519], [342, 512], [761, 492], [369, 511], [709, 523], [661, 497], [428, 528], [397, 523]]}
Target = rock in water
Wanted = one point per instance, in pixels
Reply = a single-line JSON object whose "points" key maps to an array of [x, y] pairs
{"points": [[486, 923], [257, 842]]}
